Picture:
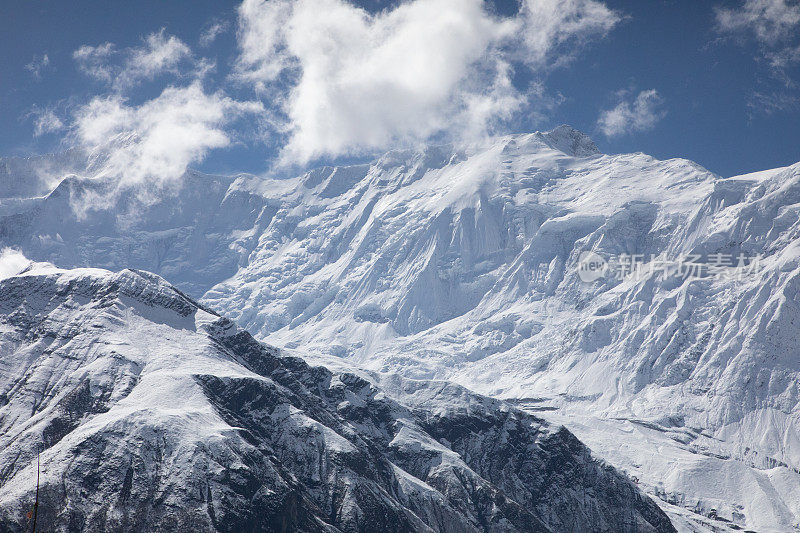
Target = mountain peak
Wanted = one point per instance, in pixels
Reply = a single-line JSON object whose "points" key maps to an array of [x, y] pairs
{"points": [[564, 139], [567, 139]]}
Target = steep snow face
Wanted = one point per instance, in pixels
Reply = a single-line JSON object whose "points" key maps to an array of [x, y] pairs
{"points": [[464, 266], [432, 262], [416, 240], [153, 413]]}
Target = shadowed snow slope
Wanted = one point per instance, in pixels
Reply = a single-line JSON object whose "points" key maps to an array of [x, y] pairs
{"points": [[462, 265], [153, 413], [196, 233]]}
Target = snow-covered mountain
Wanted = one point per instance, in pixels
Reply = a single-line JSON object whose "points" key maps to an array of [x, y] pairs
{"points": [[26, 177], [195, 235], [153, 413], [463, 264]]}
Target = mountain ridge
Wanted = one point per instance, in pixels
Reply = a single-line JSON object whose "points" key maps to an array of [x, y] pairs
{"points": [[463, 265], [208, 429]]}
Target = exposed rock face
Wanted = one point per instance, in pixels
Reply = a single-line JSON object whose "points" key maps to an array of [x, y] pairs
{"points": [[153, 413]]}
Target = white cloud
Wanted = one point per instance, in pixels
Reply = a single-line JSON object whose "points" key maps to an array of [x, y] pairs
{"points": [[148, 146], [639, 114], [784, 57], [548, 24], [770, 21], [213, 31], [93, 60], [45, 121], [37, 65], [153, 143], [347, 81], [12, 262], [775, 26], [160, 53]]}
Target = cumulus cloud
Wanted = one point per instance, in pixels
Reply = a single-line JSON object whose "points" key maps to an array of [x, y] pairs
{"points": [[160, 53], [775, 26], [37, 65], [640, 114], [346, 81], [45, 121], [12, 262], [153, 143]]}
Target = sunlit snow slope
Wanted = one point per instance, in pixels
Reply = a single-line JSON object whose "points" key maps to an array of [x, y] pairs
{"points": [[153, 413]]}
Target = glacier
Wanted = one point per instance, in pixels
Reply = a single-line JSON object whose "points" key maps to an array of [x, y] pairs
{"points": [[461, 264]]}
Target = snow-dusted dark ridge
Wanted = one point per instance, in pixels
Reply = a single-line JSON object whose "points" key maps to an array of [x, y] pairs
{"points": [[460, 264], [153, 413]]}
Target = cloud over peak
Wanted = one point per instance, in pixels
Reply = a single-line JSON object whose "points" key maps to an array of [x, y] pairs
{"points": [[346, 81], [155, 141]]}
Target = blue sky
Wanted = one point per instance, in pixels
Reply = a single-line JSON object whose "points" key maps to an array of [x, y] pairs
{"points": [[231, 87]]}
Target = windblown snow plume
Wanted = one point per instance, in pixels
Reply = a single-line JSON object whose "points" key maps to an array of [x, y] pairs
{"points": [[12, 262]]}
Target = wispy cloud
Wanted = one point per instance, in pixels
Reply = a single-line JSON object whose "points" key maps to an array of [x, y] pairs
{"points": [[45, 121], [346, 81], [638, 114], [160, 53], [37, 65], [212, 31], [773, 24], [557, 29], [773, 102], [770, 21], [94, 60]]}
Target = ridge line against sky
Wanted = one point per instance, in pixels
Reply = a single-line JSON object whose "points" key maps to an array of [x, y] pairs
{"points": [[284, 84]]}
